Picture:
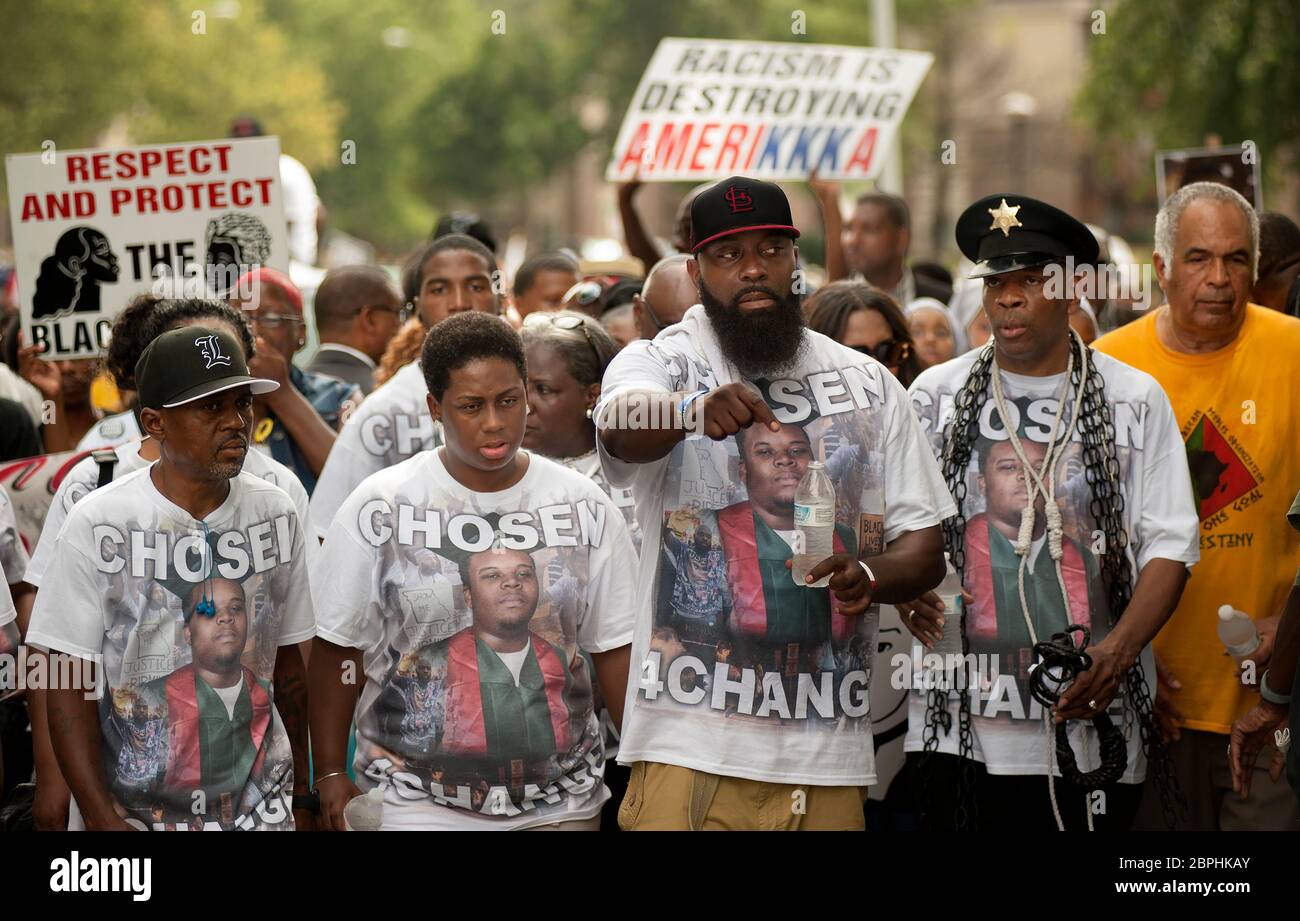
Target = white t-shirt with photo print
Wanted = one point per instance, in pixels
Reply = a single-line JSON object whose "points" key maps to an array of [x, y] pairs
{"points": [[1160, 521], [443, 722], [83, 478], [127, 575], [737, 670]]}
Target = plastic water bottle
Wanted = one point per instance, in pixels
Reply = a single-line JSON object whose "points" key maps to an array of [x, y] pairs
{"points": [[949, 592], [1237, 632], [814, 521], [365, 812]]}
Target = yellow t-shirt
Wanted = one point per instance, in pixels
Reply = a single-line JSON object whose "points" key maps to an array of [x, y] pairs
{"points": [[1239, 413]]}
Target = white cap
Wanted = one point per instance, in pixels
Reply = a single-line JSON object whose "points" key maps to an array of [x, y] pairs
{"points": [[1226, 612]]}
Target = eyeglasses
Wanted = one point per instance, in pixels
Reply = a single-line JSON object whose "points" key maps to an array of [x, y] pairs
{"points": [[564, 321], [889, 352], [274, 320]]}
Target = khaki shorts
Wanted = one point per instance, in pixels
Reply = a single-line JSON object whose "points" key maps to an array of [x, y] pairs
{"points": [[665, 797]]}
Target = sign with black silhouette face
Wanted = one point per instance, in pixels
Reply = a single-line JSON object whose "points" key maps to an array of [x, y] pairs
{"points": [[95, 228]]}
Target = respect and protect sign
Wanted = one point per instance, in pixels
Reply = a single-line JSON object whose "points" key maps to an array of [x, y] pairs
{"points": [[709, 108], [94, 228]]}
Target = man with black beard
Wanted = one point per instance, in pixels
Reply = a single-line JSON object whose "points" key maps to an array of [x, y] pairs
{"points": [[671, 409]]}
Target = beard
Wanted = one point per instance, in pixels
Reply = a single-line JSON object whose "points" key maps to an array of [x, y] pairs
{"points": [[759, 343], [220, 470], [228, 470]]}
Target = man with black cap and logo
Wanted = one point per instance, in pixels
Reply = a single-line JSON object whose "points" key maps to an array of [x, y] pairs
{"points": [[1073, 536], [762, 722], [175, 741]]}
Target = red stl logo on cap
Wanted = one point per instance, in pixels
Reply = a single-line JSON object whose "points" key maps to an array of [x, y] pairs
{"points": [[738, 199]]}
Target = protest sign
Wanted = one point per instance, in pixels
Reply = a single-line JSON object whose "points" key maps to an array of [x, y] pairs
{"points": [[94, 228], [709, 108], [1236, 167]]}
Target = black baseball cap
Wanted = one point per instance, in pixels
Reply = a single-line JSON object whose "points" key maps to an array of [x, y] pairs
{"points": [[183, 365], [738, 204], [1004, 233]]}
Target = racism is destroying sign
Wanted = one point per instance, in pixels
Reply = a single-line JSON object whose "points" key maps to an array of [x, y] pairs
{"points": [[94, 228], [709, 108]]}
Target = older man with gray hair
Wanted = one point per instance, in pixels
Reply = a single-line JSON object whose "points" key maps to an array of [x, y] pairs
{"points": [[1230, 369]]}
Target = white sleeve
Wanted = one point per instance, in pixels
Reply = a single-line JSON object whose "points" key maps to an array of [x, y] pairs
{"points": [[342, 585], [633, 368], [71, 491], [13, 555], [610, 610], [1168, 527], [68, 615], [916, 496], [301, 504], [299, 622], [344, 470]]}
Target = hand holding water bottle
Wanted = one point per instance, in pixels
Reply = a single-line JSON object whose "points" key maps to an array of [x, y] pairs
{"points": [[848, 580]]}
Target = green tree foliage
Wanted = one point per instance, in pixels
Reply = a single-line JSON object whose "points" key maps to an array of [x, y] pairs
{"points": [[75, 69], [1175, 71]]}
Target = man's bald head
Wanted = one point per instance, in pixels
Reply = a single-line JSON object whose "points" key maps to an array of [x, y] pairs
{"points": [[667, 294], [358, 305]]}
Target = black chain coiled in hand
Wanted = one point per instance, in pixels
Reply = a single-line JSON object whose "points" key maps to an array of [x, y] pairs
{"points": [[1106, 506], [1061, 661]]}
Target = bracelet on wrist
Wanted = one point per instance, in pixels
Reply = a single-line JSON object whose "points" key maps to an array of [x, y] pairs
{"points": [[316, 782], [871, 576], [1270, 695], [686, 404]]}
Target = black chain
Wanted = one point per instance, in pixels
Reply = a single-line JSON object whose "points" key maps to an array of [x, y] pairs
{"points": [[959, 438], [1106, 505]]}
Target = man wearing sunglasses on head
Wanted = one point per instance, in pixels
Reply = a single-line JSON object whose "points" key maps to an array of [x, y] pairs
{"points": [[296, 424]]}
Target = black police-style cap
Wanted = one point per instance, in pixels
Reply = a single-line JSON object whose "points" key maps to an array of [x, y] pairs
{"points": [[183, 365], [738, 204], [1003, 233]]}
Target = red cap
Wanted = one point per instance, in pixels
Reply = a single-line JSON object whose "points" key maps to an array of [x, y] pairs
{"points": [[277, 280]]}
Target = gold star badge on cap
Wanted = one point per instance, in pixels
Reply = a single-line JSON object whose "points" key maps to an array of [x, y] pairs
{"points": [[1004, 218]]}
